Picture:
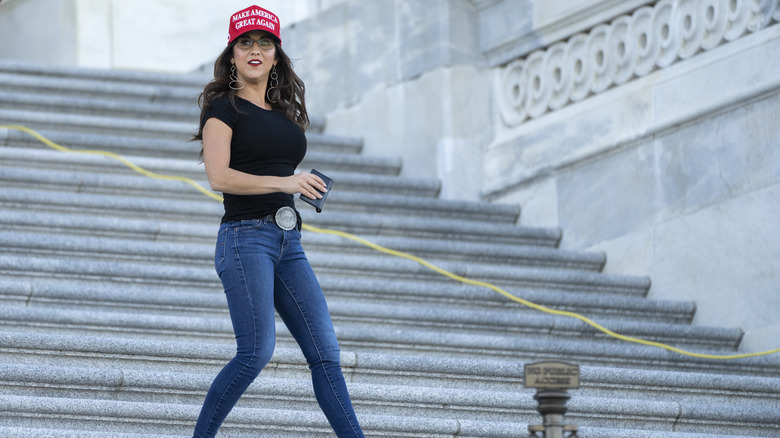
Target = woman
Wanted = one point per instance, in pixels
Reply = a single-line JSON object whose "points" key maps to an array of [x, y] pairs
{"points": [[252, 122]]}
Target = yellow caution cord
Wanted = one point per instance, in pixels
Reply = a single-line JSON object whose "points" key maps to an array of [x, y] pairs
{"points": [[404, 255]]}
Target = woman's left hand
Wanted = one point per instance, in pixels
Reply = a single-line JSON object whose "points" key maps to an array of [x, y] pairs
{"points": [[307, 184]]}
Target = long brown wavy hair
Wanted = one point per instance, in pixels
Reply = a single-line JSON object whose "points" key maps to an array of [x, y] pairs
{"points": [[287, 97]]}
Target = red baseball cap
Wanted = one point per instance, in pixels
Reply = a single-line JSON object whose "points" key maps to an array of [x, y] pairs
{"points": [[254, 18]]}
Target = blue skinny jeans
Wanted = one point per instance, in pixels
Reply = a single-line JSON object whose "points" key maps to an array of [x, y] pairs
{"points": [[263, 267]]}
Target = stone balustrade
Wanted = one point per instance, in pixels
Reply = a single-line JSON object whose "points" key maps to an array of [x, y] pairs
{"points": [[630, 46]]}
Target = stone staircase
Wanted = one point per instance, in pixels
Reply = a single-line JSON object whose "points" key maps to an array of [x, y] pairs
{"points": [[113, 322]]}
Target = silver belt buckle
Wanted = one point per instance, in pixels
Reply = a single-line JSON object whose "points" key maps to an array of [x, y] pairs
{"points": [[286, 218]]}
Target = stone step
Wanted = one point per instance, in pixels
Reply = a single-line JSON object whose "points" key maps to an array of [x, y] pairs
{"points": [[586, 432], [178, 419], [78, 130], [50, 102], [421, 227], [47, 71], [512, 405], [400, 327], [475, 297], [103, 194], [133, 184], [99, 91], [589, 410], [165, 420], [129, 386], [23, 150], [131, 189], [208, 211], [152, 228], [200, 250], [596, 382], [380, 267], [150, 138], [43, 432], [158, 356], [121, 126], [105, 296], [471, 252], [101, 88], [583, 349]]}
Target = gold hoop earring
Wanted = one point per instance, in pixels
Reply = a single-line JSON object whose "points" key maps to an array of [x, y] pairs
{"points": [[274, 82], [234, 79]]}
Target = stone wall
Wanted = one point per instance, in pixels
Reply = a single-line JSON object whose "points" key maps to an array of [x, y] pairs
{"points": [[409, 77], [653, 136], [642, 128]]}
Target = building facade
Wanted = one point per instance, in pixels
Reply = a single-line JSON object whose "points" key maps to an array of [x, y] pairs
{"points": [[644, 129]]}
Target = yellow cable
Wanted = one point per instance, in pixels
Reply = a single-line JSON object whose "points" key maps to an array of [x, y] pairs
{"points": [[407, 256], [117, 157]]}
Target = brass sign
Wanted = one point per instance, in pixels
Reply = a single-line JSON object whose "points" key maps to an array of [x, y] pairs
{"points": [[552, 375]]}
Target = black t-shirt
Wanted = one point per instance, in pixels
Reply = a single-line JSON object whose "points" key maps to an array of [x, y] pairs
{"points": [[264, 143]]}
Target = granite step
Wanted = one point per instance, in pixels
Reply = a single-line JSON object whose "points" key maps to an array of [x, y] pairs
{"points": [[132, 384], [596, 382], [421, 227], [385, 367], [200, 250], [42, 432], [20, 218], [342, 204], [17, 173], [132, 136], [587, 432], [165, 420], [584, 350], [43, 71], [401, 336], [509, 406], [177, 419], [149, 130], [209, 211], [379, 267], [158, 356], [122, 187], [101, 88], [757, 375], [23, 150], [122, 126], [401, 328], [106, 296], [637, 412], [49, 101]]}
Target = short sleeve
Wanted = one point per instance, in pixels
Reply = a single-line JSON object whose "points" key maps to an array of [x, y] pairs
{"points": [[221, 109]]}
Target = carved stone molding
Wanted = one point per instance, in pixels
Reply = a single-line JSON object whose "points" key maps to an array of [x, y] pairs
{"points": [[631, 46], [479, 4]]}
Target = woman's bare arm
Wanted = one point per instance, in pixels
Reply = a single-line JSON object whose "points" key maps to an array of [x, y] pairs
{"points": [[216, 157]]}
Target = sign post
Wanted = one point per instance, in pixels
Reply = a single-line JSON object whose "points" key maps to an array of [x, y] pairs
{"points": [[552, 381]]}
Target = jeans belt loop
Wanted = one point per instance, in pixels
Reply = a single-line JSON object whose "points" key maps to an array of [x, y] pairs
{"points": [[286, 218]]}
